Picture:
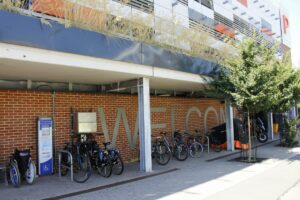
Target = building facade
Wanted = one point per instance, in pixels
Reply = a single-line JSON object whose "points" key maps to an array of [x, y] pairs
{"points": [[142, 66]]}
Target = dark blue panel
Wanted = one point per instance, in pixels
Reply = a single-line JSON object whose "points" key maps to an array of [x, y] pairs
{"points": [[159, 57], [29, 31]]}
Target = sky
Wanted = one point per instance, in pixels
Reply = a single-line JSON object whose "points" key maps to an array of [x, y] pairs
{"points": [[293, 9]]}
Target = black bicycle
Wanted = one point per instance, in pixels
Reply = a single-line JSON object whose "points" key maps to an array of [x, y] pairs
{"points": [[177, 145], [100, 158], [161, 151], [21, 166], [81, 162], [116, 159]]}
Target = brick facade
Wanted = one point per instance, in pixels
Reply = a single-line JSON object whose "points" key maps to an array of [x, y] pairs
{"points": [[19, 110]]}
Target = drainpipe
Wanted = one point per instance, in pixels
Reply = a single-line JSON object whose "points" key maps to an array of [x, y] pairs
{"points": [[53, 123]]}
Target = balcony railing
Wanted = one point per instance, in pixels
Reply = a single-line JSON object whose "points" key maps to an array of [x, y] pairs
{"points": [[144, 5], [147, 28]]}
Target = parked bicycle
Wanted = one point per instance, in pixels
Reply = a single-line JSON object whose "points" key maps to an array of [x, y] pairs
{"points": [[161, 151], [21, 167], [195, 147], [116, 159], [99, 158], [81, 161], [179, 147]]}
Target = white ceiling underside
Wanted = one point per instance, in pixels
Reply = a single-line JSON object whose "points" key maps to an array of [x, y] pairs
{"points": [[25, 63]]}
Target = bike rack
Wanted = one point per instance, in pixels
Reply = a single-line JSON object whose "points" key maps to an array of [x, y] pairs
{"points": [[207, 138], [3, 171], [60, 152]]}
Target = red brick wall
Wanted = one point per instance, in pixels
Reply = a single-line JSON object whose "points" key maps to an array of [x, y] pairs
{"points": [[19, 110]]}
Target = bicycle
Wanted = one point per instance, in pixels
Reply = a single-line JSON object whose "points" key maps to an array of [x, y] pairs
{"points": [[81, 161], [161, 152], [21, 166], [116, 159], [99, 158], [178, 146], [195, 148]]}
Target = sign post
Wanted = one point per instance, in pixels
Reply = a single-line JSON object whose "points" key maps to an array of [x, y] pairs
{"points": [[45, 148]]}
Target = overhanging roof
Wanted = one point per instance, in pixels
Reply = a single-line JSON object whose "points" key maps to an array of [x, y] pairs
{"points": [[27, 63]]}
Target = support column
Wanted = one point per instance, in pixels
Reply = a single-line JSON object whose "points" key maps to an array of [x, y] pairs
{"points": [[229, 126], [144, 124], [270, 126], [294, 112]]}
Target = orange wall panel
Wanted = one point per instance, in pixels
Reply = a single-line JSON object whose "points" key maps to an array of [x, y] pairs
{"points": [[50, 7]]}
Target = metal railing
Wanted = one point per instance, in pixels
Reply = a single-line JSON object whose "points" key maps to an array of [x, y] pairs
{"points": [[70, 158], [184, 23], [3, 172], [184, 2], [211, 31], [144, 5]]}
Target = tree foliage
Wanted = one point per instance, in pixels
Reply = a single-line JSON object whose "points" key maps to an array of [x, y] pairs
{"points": [[256, 81]]}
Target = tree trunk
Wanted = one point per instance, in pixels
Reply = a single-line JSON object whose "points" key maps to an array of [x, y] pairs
{"points": [[249, 138]]}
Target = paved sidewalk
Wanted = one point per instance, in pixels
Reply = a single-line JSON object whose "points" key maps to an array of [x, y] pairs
{"points": [[194, 179]]}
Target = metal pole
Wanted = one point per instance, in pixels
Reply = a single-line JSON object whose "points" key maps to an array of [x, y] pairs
{"points": [[229, 126], [270, 126], [59, 164], [144, 124], [249, 138]]}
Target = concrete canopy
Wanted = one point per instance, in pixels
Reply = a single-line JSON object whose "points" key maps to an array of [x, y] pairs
{"points": [[27, 63]]}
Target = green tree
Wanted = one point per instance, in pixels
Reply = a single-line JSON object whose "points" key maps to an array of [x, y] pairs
{"points": [[289, 86], [255, 80]]}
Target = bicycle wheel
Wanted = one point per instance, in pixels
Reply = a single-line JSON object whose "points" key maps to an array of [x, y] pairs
{"points": [[30, 172], [262, 137], [82, 168], [196, 149], [14, 174], [118, 165], [181, 152], [105, 169], [162, 154]]}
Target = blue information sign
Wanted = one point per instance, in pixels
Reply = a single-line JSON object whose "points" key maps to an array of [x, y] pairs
{"points": [[45, 155]]}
